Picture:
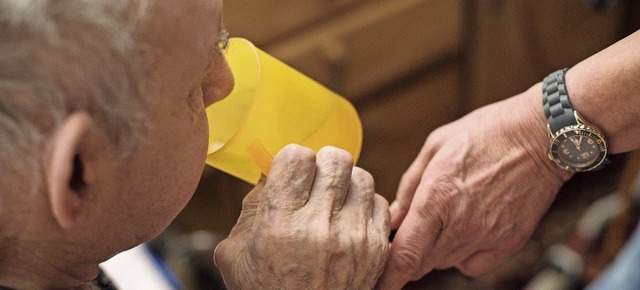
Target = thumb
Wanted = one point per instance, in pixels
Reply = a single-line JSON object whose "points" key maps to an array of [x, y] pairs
{"points": [[391, 281], [410, 182], [403, 262], [254, 197], [250, 205], [410, 248], [228, 249]]}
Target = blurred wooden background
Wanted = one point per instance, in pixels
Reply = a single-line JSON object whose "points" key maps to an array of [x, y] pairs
{"points": [[410, 66]]}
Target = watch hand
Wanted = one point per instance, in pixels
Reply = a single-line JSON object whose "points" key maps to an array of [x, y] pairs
{"points": [[576, 142], [579, 142]]}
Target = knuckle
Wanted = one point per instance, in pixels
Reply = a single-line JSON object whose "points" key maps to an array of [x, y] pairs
{"points": [[471, 271], [339, 156], [359, 239], [404, 206], [334, 182], [477, 266], [377, 252], [434, 136], [362, 187], [221, 254], [298, 153], [327, 240], [437, 212], [408, 176], [382, 201], [407, 261], [284, 238], [443, 200], [517, 242], [481, 262], [511, 236], [362, 177]]}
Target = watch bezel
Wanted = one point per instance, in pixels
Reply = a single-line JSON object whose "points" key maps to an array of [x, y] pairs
{"points": [[579, 129]]}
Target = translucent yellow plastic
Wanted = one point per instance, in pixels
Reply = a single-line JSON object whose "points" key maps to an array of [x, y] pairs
{"points": [[273, 105], [260, 156]]}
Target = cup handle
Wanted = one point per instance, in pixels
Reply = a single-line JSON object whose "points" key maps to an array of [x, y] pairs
{"points": [[260, 156]]}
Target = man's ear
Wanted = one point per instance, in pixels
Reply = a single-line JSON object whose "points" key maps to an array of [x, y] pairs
{"points": [[70, 168]]}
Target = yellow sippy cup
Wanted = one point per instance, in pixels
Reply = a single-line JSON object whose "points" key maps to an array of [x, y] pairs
{"points": [[273, 105]]}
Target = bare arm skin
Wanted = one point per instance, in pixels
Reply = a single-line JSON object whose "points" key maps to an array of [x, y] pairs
{"points": [[605, 89]]}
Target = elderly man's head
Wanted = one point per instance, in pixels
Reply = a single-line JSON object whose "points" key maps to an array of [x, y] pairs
{"points": [[102, 126]]}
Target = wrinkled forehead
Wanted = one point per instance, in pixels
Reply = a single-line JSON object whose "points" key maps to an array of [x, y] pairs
{"points": [[178, 22], [178, 33]]}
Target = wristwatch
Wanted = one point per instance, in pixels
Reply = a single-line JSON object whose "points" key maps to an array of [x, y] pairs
{"points": [[575, 145]]}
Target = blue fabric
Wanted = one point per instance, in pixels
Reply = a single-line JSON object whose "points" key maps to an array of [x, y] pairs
{"points": [[624, 272], [166, 272]]}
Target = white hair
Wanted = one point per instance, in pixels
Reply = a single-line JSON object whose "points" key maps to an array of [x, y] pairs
{"points": [[61, 56]]}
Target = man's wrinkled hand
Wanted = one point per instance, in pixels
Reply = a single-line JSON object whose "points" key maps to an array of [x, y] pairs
{"points": [[313, 223]]}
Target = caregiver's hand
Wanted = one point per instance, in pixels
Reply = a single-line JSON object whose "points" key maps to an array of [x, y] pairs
{"points": [[313, 223], [475, 193]]}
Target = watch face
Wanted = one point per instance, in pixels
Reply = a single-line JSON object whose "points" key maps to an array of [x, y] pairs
{"points": [[578, 148]]}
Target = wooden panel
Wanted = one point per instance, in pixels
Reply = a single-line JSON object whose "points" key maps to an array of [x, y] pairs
{"points": [[397, 124], [516, 43], [375, 45], [262, 21]]}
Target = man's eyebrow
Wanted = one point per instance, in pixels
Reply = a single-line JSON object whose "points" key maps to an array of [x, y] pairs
{"points": [[223, 38], [216, 52]]}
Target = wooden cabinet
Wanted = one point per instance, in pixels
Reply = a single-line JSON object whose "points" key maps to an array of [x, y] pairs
{"points": [[375, 45], [267, 21], [514, 44], [353, 47]]}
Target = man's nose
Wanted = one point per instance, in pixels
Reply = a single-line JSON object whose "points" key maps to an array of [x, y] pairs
{"points": [[218, 83]]}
